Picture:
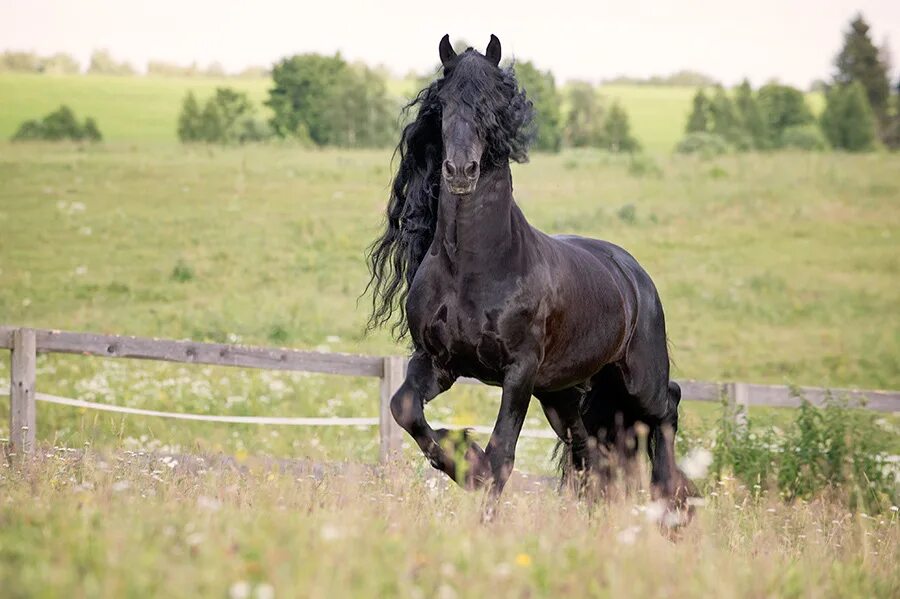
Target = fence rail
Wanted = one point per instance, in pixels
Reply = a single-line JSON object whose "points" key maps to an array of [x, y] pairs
{"points": [[26, 343]]}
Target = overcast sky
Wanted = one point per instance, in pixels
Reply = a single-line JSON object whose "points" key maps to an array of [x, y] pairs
{"points": [[791, 40]]}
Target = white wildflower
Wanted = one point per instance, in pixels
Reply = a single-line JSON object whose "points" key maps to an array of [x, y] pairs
{"points": [[696, 463], [239, 590], [264, 591], [629, 535]]}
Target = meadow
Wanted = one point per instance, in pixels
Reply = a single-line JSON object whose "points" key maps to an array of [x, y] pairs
{"points": [[145, 109], [131, 525], [772, 268]]}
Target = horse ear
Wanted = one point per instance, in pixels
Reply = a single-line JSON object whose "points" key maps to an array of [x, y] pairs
{"points": [[445, 50], [493, 50]]}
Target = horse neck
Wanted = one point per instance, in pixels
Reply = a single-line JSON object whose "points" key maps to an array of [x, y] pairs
{"points": [[486, 227]]}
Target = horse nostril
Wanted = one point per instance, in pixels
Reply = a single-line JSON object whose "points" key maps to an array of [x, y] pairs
{"points": [[449, 168], [471, 170]]}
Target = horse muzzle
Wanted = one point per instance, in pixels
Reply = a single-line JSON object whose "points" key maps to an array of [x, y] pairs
{"points": [[461, 181]]}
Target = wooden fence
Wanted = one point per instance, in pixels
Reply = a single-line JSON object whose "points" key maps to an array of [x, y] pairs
{"points": [[26, 343]]}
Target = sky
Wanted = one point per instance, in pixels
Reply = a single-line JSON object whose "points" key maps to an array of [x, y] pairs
{"points": [[793, 41]]}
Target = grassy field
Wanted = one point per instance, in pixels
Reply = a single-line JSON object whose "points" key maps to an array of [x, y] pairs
{"points": [[145, 109], [138, 526], [777, 269]]}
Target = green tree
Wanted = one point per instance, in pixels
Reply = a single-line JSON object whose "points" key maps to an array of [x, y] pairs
{"points": [[617, 131], [699, 119], [859, 60], [541, 90], [584, 124], [304, 91], [61, 124], [725, 120], [848, 120], [782, 106], [102, 63], [189, 119], [748, 111]]}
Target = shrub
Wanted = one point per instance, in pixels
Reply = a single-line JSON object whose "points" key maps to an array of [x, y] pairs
{"points": [[226, 117], [58, 125], [804, 137], [829, 449], [848, 120], [703, 144]]}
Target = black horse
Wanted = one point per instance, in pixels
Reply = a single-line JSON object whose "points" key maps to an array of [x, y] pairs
{"points": [[575, 322]]}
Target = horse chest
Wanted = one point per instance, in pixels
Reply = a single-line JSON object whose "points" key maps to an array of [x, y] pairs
{"points": [[463, 332]]}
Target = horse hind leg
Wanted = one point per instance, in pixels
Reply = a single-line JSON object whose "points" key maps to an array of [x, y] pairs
{"points": [[667, 479], [577, 449]]}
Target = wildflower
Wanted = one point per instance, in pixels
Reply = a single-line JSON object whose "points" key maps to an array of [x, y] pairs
{"points": [[629, 535], [208, 503], [696, 463], [239, 590], [264, 591], [523, 560], [655, 511], [330, 533]]}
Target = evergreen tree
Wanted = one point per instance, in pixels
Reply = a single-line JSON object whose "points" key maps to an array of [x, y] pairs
{"points": [[724, 119], [848, 120], [859, 60], [699, 120], [541, 90], [617, 131], [189, 120], [751, 118]]}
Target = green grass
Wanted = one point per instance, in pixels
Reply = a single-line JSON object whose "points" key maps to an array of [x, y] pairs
{"points": [[145, 109], [774, 268], [139, 526], [127, 109]]}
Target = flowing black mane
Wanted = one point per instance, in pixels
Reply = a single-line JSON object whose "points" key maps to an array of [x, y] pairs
{"points": [[503, 118]]}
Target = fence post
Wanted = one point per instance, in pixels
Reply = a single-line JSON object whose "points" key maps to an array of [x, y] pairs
{"points": [[389, 431], [739, 402], [21, 392]]}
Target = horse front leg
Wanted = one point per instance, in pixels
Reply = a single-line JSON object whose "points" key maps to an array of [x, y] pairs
{"points": [[500, 453], [422, 384]]}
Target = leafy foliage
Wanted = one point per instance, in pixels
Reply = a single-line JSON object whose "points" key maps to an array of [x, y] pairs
{"points": [[782, 106], [103, 63], [329, 102], [60, 124], [541, 90], [833, 448], [226, 117], [617, 135], [848, 120], [859, 61], [584, 124], [703, 144], [804, 137]]}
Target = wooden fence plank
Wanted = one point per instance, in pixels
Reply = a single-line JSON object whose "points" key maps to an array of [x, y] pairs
{"points": [[21, 392], [391, 435], [218, 354], [6, 334]]}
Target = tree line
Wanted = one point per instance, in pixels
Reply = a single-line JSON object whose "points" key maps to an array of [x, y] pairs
{"points": [[102, 62], [326, 101], [861, 111]]}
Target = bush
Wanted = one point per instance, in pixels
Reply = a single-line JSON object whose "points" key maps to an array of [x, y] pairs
{"points": [[330, 102], [848, 120], [829, 449], [703, 144], [804, 137], [227, 117], [57, 126]]}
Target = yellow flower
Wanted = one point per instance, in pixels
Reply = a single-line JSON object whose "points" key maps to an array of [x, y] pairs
{"points": [[523, 560]]}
